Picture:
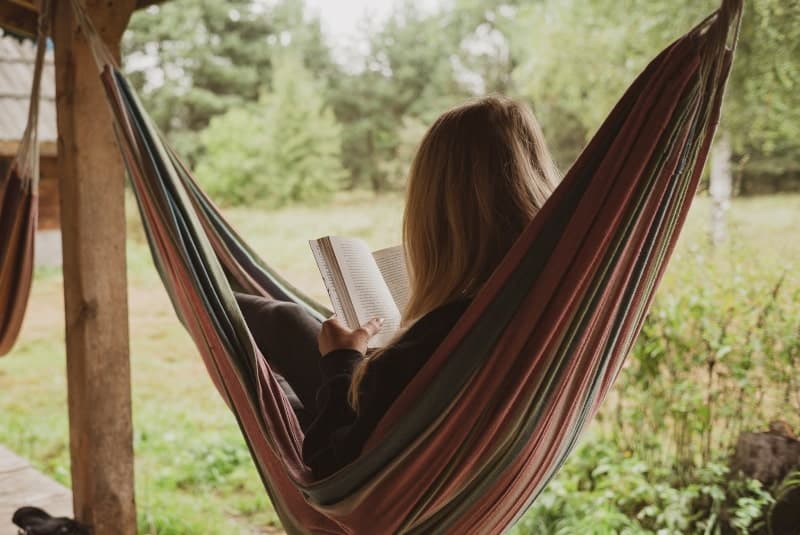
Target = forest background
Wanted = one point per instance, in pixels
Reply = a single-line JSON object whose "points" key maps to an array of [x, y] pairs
{"points": [[297, 136], [269, 111], [270, 114]]}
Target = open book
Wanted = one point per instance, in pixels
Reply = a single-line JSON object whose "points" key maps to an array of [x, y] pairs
{"points": [[363, 285]]}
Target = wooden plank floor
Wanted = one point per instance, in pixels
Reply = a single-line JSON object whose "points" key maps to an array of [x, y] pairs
{"points": [[21, 484]]}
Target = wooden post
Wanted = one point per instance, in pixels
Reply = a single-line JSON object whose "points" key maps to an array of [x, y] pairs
{"points": [[95, 282]]}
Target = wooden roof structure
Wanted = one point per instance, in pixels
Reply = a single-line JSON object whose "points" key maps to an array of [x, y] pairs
{"points": [[21, 16], [16, 75], [92, 190], [17, 63]]}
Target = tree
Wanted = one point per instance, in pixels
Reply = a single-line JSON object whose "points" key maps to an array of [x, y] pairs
{"points": [[582, 55], [408, 78], [486, 52], [761, 123], [192, 60], [284, 148]]}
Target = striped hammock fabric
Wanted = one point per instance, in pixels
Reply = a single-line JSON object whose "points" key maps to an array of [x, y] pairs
{"points": [[18, 216], [494, 413], [19, 207]]}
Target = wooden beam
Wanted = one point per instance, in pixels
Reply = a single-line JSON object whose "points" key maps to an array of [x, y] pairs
{"points": [[49, 205], [9, 148], [17, 18], [95, 285], [20, 16], [33, 5], [147, 3]]}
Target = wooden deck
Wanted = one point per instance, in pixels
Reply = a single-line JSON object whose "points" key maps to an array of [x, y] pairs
{"points": [[21, 484]]}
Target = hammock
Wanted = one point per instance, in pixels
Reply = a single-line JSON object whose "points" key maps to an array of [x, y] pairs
{"points": [[496, 410], [19, 207]]}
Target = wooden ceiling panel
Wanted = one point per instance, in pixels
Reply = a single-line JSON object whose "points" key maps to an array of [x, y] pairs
{"points": [[20, 16], [145, 3]]}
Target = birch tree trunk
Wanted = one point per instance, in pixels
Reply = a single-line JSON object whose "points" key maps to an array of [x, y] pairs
{"points": [[720, 187]]}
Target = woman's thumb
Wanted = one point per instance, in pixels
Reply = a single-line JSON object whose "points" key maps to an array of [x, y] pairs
{"points": [[373, 326]]}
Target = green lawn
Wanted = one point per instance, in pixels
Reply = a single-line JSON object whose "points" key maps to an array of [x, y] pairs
{"points": [[193, 472]]}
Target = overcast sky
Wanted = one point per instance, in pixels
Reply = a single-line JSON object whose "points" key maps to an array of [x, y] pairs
{"points": [[342, 20]]}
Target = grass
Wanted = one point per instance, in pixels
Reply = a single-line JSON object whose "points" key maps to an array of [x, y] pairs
{"points": [[193, 472]]}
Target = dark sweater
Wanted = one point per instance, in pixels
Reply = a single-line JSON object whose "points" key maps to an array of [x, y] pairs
{"points": [[338, 434]]}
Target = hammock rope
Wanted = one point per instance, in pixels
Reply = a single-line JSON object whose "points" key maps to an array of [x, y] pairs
{"points": [[498, 407], [19, 206]]}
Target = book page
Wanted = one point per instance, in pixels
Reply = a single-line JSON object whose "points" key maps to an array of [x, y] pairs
{"points": [[368, 291], [392, 265], [326, 268]]}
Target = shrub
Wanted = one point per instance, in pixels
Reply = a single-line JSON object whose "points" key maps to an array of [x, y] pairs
{"points": [[718, 355], [282, 149]]}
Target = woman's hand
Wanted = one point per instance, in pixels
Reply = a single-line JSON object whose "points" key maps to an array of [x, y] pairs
{"points": [[334, 335]]}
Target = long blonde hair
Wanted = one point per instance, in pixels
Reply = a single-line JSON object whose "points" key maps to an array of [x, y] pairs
{"points": [[481, 173]]}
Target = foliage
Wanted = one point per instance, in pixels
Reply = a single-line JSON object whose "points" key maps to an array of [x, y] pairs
{"points": [[570, 60], [603, 489], [718, 355], [419, 63], [285, 148], [579, 57], [196, 59], [705, 351], [486, 53], [764, 99], [762, 103], [406, 78]]}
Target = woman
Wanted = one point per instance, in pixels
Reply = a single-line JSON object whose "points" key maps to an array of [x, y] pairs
{"points": [[480, 174]]}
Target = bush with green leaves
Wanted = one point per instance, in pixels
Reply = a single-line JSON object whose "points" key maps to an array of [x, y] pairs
{"points": [[281, 149], [603, 490], [719, 354]]}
